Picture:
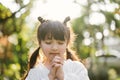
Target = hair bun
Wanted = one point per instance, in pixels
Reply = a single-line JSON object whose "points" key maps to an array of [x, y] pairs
{"points": [[66, 20], [41, 19]]}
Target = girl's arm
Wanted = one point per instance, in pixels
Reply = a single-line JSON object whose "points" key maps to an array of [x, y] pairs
{"points": [[74, 70]]}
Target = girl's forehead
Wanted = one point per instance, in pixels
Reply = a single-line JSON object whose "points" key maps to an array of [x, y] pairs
{"points": [[52, 37]]}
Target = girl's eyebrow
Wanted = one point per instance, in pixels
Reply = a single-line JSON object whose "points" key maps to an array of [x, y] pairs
{"points": [[54, 39]]}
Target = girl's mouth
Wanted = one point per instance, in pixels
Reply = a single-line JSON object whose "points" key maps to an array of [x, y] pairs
{"points": [[55, 54]]}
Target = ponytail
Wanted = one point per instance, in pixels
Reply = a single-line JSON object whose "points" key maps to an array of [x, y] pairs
{"points": [[33, 58], [31, 62], [71, 56]]}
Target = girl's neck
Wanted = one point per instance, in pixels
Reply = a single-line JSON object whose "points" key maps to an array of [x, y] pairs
{"points": [[47, 64]]}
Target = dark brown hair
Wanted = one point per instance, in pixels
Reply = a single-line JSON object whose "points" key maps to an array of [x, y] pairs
{"points": [[52, 29]]}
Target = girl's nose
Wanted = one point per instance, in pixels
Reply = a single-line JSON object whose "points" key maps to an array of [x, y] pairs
{"points": [[54, 47]]}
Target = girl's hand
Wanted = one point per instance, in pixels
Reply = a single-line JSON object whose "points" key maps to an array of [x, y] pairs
{"points": [[58, 64], [56, 70], [53, 69], [60, 73], [52, 73]]}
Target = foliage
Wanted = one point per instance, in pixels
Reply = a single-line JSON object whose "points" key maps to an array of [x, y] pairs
{"points": [[14, 37], [86, 29]]}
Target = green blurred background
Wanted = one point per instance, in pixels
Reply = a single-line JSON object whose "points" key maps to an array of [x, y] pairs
{"points": [[98, 37]]}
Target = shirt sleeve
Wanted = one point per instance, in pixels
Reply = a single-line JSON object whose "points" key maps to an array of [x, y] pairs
{"points": [[32, 75], [74, 70], [39, 73]]}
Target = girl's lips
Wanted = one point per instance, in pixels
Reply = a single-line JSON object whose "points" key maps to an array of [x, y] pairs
{"points": [[55, 54]]}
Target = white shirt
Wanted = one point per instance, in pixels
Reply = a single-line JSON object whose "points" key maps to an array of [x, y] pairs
{"points": [[73, 70]]}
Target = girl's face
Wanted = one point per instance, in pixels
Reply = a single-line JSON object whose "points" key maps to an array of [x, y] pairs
{"points": [[52, 48]]}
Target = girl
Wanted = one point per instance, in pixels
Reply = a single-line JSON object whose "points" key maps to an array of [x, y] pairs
{"points": [[58, 62]]}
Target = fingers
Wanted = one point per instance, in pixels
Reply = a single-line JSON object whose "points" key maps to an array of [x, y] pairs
{"points": [[52, 73], [57, 61], [56, 67]]}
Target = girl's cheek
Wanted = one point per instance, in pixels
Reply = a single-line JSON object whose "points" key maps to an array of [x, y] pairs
{"points": [[63, 50]]}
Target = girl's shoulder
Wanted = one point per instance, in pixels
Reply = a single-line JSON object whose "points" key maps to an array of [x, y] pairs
{"points": [[74, 65], [37, 69], [35, 72], [75, 70]]}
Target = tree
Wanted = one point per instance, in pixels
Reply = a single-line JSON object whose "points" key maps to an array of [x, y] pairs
{"points": [[99, 20], [13, 39]]}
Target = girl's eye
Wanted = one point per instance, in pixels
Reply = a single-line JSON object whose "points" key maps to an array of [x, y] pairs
{"points": [[48, 42], [61, 42]]}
